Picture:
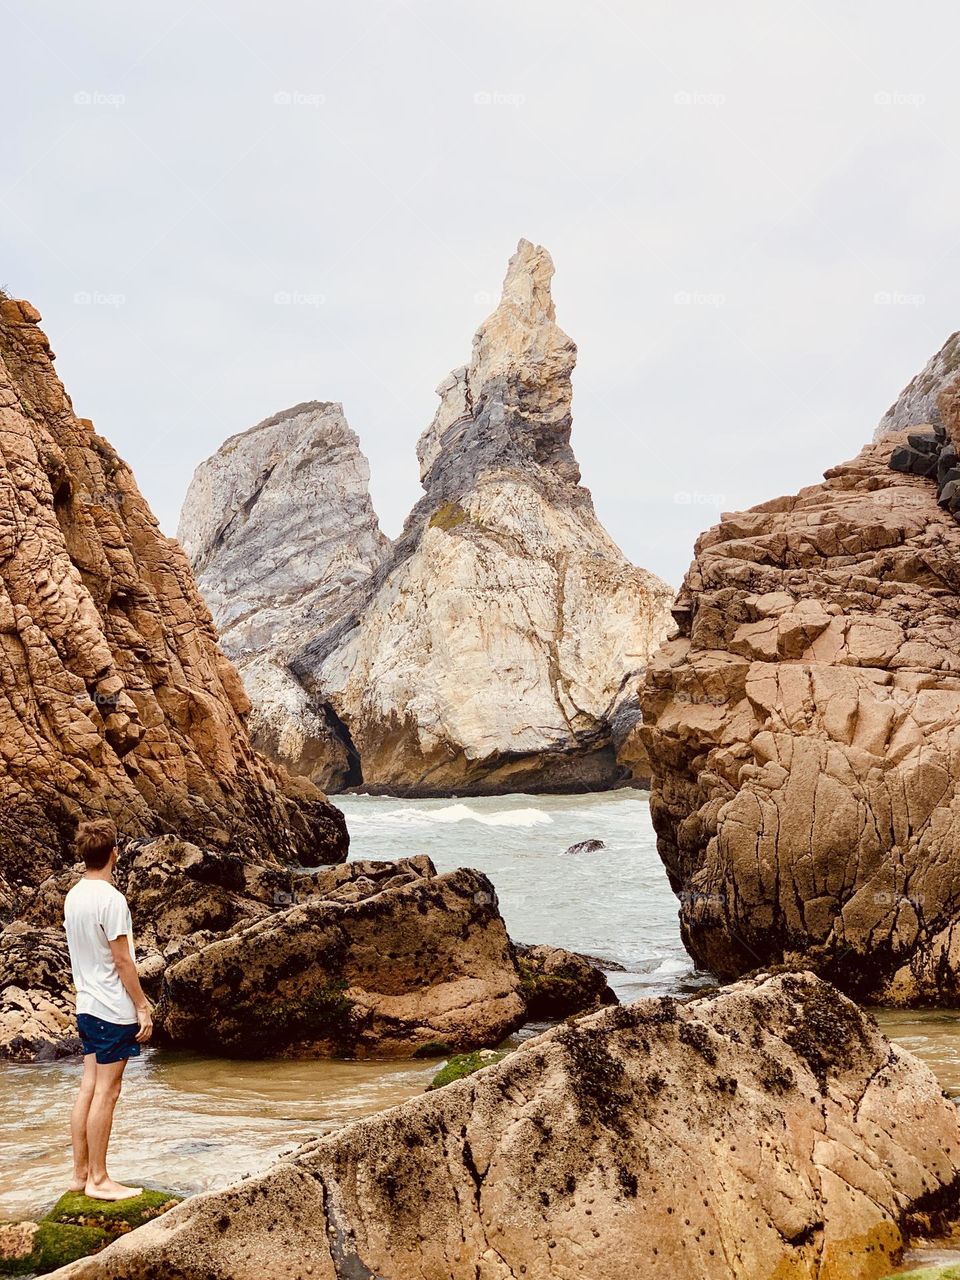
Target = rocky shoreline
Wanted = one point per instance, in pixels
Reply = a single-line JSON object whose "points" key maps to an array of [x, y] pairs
{"points": [[724, 1136]]}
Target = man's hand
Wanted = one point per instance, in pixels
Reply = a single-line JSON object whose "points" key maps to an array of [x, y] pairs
{"points": [[127, 970], [145, 1018]]}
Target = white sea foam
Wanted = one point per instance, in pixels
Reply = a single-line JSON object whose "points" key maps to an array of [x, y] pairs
{"points": [[669, 967], [465, 813]]}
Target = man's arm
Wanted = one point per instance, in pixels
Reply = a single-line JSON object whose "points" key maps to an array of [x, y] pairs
{"points": [[120, 947]]}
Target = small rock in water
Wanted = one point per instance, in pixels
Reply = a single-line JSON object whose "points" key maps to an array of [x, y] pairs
{"points": [[587, 846]]}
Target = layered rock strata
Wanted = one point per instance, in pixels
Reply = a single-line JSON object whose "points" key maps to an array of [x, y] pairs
{"points": [[767, 1129], [804, 729], [114, 697], [280, 530], [501, 644]]}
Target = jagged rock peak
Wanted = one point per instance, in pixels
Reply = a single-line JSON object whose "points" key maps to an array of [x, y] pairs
{"points": [[917, 402], [511, 403], [501, 643], [279, 526]]}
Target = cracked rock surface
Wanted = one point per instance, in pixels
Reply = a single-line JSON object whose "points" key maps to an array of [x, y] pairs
{"points": [[280, 530], [765, 1129], [804, 730], [501, 644], [114, 697]]}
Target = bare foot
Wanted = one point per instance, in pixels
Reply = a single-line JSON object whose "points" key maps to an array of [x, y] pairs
{"points": [[77, 1184], [110, 1190]]}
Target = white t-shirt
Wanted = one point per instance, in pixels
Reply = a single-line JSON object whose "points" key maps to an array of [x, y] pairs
{"points": [[95, 914]]}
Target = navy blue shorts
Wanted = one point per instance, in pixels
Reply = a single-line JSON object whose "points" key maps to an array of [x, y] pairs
{"points": [[110, 1041]]}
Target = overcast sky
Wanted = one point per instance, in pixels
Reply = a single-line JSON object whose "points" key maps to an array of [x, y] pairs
{"points": [[224, 208]]}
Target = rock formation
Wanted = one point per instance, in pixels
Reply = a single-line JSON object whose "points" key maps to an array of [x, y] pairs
{"points": [[392, 969], [804, 730], [767, 1129], [918, 401], [365, 958], [37, 1016], [501, 644], [114, 697], [556, 983], [280, 530], [74, 1227]]}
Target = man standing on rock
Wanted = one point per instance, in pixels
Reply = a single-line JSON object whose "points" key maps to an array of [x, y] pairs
{"points": [[113, 1014]]}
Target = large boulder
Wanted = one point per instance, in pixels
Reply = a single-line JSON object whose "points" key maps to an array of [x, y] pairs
{"points": [[423, 961], [558, 984], [501, 644], [804, 731], [114, 697], [280, 530], [766, 1129]]}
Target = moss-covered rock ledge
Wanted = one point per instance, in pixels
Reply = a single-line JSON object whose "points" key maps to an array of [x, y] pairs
{"points": [[75, 1227]]}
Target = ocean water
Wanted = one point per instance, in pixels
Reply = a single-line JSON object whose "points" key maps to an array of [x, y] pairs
{"points": [[614, 904]]}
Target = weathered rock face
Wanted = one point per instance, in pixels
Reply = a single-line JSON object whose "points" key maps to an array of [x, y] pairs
{"points": [[918, 401], [501, 644], [557, 983], [361, 959], [422, 960], [280, 530], [114, 698], [804, 729], [766, 1130], [37, 1022]]}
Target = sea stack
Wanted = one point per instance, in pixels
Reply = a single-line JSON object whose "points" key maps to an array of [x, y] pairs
{"points": [[501, 643], [114, 697], [804, 730], [281, 532]]}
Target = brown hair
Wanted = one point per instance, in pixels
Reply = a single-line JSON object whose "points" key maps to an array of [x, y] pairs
{"points": [[95, 842]]}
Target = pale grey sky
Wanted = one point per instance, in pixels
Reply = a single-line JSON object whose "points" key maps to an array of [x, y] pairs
{"points": [[223, 208]]}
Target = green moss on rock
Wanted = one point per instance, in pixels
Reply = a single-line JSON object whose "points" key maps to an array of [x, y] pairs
{"points": [[75, 1227], [434, 1049], [116, 1216], [324, 1015], [447, 516], [48, 1246], [465, 1064], [545, 992]]}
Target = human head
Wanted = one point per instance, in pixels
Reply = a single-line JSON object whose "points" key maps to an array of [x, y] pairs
{"points": [[96, 843]]}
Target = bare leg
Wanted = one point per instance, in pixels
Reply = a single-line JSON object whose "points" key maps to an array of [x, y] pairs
{"points": [[78, 1123], [99, 1123]]}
